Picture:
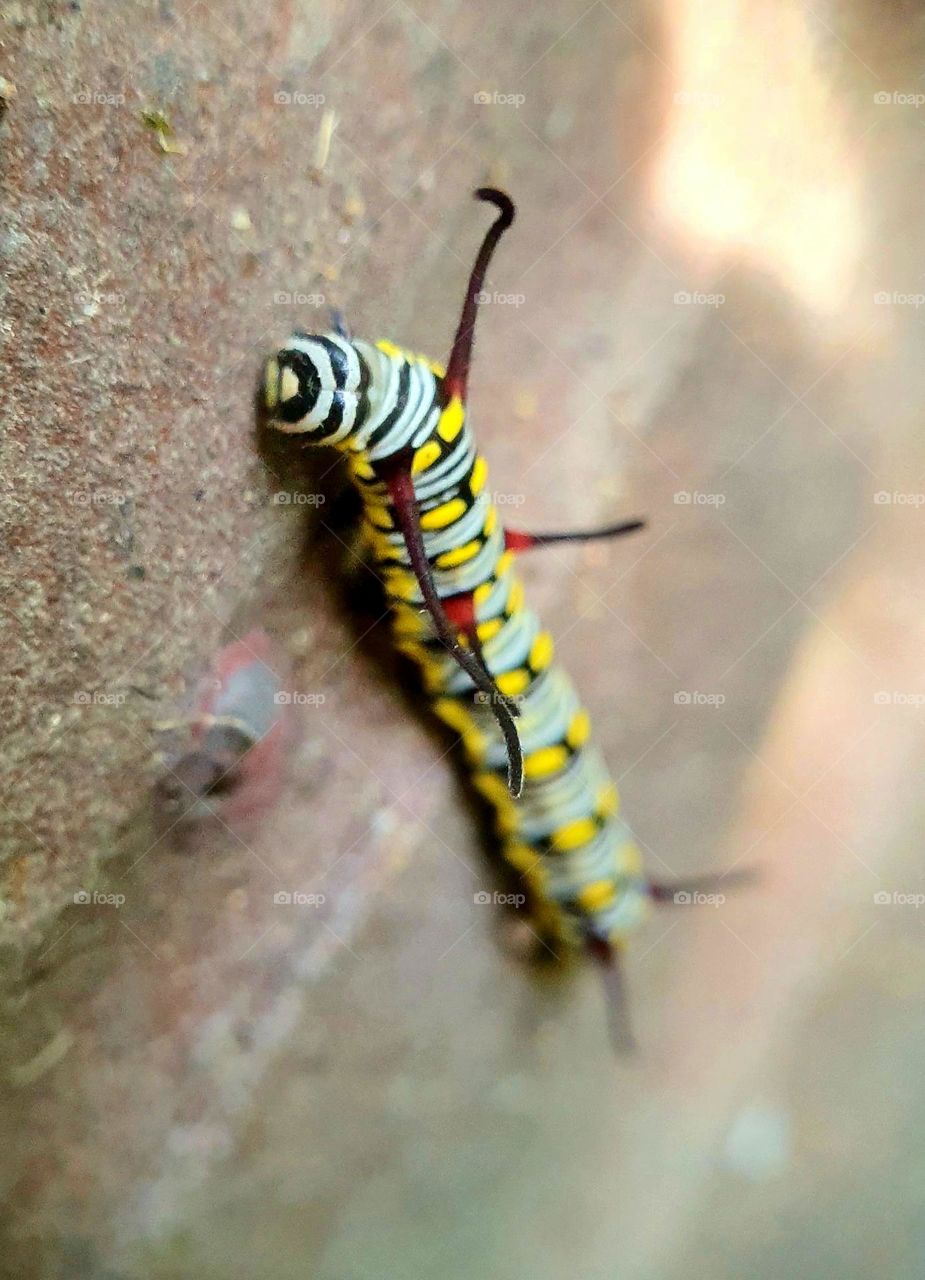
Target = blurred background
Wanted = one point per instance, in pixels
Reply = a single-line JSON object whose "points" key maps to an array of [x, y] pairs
{"points": [[292, 1040]]}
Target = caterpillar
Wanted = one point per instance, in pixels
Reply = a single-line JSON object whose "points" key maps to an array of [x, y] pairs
{"points": [[458, 609]]}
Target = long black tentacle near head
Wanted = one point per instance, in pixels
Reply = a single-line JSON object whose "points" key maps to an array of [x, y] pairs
{"points": [[456, 380]]}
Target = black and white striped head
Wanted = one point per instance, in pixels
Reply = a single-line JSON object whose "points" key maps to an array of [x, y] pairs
{"points": [[316, 386]]}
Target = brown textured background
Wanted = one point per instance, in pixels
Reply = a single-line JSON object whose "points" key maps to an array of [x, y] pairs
{"points": [[202, 1082]]}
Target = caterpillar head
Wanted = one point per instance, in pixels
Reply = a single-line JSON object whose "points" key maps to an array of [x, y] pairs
{"points": [[315, 386]]}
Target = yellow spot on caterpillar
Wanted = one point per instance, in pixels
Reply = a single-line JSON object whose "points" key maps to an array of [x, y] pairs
{"points": [[505, 560], [544, 761], [629, 859], [451, 713], [390, 349], [573, 835], [481, 593], [436, 368], [411, 649], [451, 420], [541, 651], [511, 683], [608, 801], [361, 468], [487, 630], [407, 623], [271, 378], [515, 597], [578, 730], [596, 896], [521, 856], [288, 384], [400, 584], [459, 555], [380, 516], [425, 457], [479, 475], [491, 522], [496, 792], [440, 517]]}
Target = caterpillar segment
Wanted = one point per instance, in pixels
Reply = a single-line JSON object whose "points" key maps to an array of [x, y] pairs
{"points": [[459, 609]]}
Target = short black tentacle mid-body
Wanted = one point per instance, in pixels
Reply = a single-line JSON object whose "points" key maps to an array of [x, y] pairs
{"points": [[458, 606]]}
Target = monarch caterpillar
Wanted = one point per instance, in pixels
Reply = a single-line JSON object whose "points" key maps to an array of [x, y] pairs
{"points": [[458, 609]]}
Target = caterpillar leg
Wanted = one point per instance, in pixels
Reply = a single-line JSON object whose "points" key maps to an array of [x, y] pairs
{"points": [[339, 324], [516, 540], [617, 1001]]}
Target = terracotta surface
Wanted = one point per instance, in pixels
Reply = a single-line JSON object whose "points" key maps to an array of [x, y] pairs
{"points": [[203, 1080]]}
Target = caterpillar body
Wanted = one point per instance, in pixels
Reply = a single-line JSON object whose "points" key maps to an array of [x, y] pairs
{"points": [[458, 608]]}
